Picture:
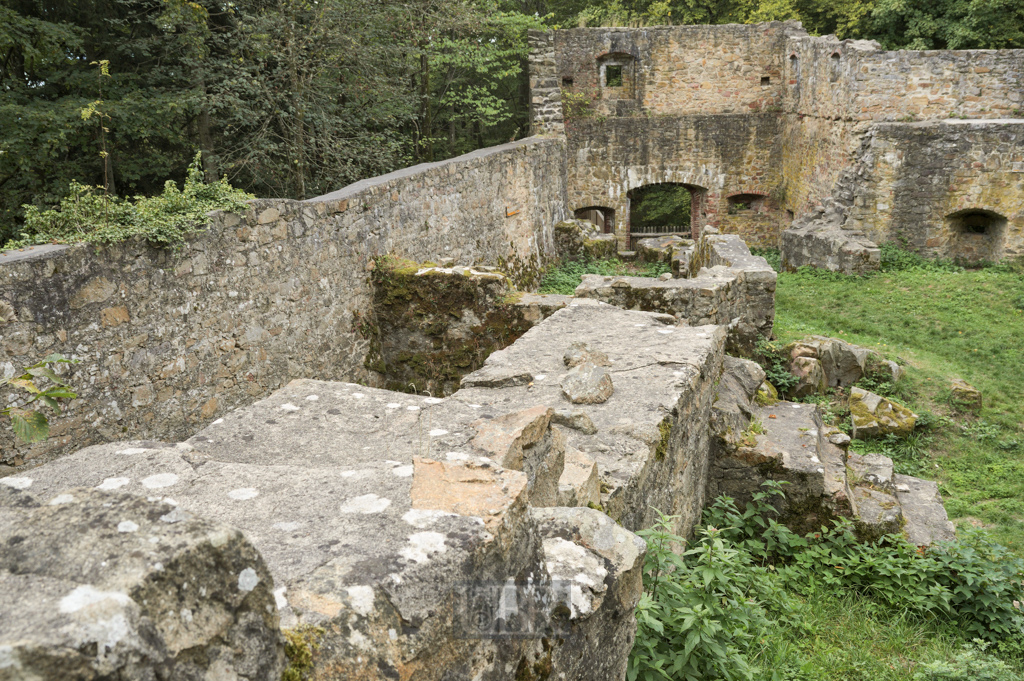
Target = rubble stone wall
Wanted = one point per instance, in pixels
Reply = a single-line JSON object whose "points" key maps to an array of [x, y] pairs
{"points": [[914, 180], [770, 111], [716, 156], [170, 339], [855, 80]]}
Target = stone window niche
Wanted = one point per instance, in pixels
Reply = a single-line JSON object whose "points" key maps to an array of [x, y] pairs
{"points": [[616, 75], [794, 69], [766, 80], [747, 203], [601, 216], [975, 234], [834, 67]]}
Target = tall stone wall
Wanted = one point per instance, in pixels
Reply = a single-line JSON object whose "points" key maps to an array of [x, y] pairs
{"points": [[767, 116], [915, 180], [169, 340], [678, 69], [856, 80]]}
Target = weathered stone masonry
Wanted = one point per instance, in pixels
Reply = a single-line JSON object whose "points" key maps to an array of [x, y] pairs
{"points": [[762, 121], [171, 339]]}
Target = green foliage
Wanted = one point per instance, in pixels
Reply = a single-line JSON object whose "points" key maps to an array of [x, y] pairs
{"points": [[31, 425], [772, 255], [299, 645], [948, 24], [971, 664], [704, 611], [724, 607], [288, 99], [775, 365], [564, 277], [660, 205], [88, 215]]}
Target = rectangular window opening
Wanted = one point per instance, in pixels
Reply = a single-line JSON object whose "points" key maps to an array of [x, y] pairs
{"points": [[613, 76], [766, 80], [567, 82]]}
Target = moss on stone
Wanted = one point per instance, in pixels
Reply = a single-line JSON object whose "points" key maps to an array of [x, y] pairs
{"points": [[665, 428], [300, 644]]}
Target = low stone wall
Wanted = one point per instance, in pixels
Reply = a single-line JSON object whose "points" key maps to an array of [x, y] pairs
{"points": [[387, 520], [821, 239], [723, 284], [170, 339]]}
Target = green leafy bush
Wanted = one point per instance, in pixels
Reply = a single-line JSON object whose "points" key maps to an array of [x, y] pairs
{"points": [[775, 365], [88, 214], [717, 609], [972, 664], [704, 612], [564, 277]]}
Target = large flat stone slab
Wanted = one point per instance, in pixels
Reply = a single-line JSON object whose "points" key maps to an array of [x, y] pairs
{"points": [[381, 514]]}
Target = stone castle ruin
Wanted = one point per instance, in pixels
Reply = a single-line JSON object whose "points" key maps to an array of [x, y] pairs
{"points": [[827, 145], [340, 424]]}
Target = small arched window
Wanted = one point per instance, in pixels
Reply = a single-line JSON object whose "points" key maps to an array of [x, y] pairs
{"points": [[835, 68]]}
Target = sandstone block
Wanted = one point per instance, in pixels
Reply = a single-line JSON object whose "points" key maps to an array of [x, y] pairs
{"points": [[873, 415], [965, 396], [587, 383]]}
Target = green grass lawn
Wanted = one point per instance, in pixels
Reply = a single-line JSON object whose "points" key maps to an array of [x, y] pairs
{"points": [[941, 323]]}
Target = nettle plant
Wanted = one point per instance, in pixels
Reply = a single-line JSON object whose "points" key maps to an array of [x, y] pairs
{"points": [[30, 424]]}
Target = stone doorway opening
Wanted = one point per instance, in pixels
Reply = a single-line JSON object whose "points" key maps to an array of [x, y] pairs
{"points": [[665, 209], [975, 234], [601, 216]]}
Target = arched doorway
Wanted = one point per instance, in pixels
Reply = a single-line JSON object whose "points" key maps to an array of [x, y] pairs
{"points": [[601, 216], [664, 209]]}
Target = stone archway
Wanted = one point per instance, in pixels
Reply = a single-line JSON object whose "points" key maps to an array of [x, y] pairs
{"points": [[602, 216], [697, 198]]}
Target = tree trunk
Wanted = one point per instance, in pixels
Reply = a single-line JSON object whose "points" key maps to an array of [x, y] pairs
{"points": [[206, 139]]}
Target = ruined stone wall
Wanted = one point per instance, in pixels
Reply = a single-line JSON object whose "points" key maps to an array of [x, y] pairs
{"points": [[915, 179], [855, 80], [168, 340], [757, 109], [678, 69], [717, 156]]}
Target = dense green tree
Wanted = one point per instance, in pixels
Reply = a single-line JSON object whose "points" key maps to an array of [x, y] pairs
{"points": [[948, 24], [660, 205]]}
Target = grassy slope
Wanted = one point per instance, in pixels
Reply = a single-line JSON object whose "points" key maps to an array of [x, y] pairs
{"points": [[942, 325]]}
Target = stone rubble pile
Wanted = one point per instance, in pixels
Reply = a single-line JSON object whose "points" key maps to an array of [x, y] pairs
{"points": [[717, 281], [757, 440]]}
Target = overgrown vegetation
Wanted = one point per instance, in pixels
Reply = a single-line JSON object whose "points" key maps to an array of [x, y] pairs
{"points": [[90, 214], [941, 321], [567, 275], [749, 599]]}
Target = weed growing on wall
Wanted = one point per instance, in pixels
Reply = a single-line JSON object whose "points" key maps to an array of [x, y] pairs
{"points": [[748, 599], [88, 214], [31, 424], [564, 277]]}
